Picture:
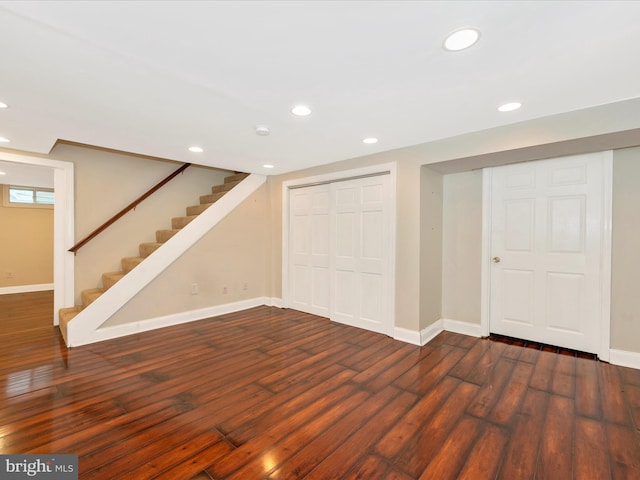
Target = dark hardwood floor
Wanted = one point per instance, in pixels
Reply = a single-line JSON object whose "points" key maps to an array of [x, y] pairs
{"points": [[278, 394], [25, 311]]}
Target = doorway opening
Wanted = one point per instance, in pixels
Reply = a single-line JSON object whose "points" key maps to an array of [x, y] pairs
{"points": [[63, 226]]}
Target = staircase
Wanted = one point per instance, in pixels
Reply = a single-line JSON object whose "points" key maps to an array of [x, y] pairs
{"points": [[145, 249]]}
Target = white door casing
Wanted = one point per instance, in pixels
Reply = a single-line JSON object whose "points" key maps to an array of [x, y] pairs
{"points": [[63, 227], [547, 251]]}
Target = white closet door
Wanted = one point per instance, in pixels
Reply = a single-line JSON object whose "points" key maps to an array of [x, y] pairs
{"points": [[340, 252], [360, 253], [309, 249], [546, 247]]}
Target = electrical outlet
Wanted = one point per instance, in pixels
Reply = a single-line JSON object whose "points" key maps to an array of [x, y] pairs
{"points": [[9, 275], [195, 289], [225, 290], [245, 287]]}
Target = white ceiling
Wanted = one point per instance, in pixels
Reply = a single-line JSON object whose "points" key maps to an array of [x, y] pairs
{"points": [[154, 78], [22, 174]]}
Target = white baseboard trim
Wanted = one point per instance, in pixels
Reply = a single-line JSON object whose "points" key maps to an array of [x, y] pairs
{"points": [[427, 334], [624, 358], [407, 336], [275, 302], [81, 329], [116, 331], [415, 337], [465, 328], [26, 288]]}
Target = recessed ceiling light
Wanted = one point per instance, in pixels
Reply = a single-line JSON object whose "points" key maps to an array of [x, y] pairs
{"points": [[2, 173], [3, 105], [262, 130], [301, 110], [267, 166], [196, 149], [4, 140], [461, 39], [370, 140], [509, 107]]}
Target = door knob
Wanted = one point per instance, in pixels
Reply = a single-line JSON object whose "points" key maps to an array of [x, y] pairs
{"points": [[495, 259]]}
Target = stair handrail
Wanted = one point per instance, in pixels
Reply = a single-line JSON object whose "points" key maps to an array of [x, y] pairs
{"points": [[126, 209]]}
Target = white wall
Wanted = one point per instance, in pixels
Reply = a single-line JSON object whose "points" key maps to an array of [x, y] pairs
{"points": [[107, 181], [232, 255], [431, 244], [26, 243], [462, 246], [100, 173], [625, 262], [407, 309]]}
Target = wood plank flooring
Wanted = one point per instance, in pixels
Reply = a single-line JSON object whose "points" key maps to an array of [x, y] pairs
{"points": [[269, 393], [25, 311]]}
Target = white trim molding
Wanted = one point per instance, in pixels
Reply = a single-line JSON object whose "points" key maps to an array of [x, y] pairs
{"points": [[63, 227], [377, 169], [416, 337], [26, 288], [81, 329], [603, 350], [407, 336], [605, 267], [428, 333], [485, 287], [624, 358], [465, 328], [117, 331], [274, 302]]}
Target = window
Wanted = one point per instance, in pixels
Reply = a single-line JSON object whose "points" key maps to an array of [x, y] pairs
{"points": [[31, 195]]}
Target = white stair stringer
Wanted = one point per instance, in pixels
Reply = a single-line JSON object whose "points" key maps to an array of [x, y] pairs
{"points": [[81, 330]]}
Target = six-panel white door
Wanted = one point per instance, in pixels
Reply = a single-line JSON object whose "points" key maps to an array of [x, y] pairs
{"points": [[309, 249], [339, 252], [360, 246], [546, 249]]}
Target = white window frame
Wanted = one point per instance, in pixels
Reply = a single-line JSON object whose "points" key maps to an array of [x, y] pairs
{"points": [[7, 197]]}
